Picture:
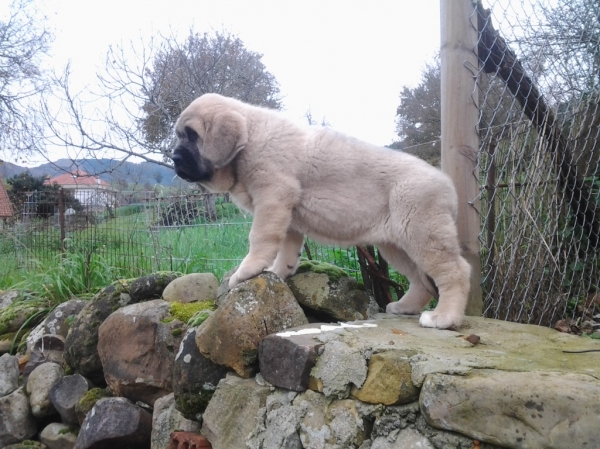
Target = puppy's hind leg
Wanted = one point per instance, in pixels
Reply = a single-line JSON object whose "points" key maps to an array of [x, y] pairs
{"points": [[441, 259], [419, 293], [288, 256]]}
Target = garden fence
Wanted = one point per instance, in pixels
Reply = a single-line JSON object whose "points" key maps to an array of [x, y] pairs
{"points": [[140, 232], [538, 95]]}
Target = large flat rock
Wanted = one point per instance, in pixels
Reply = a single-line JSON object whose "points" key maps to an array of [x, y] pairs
{"points": [[505, 384], [502, 345], [526, 410]]}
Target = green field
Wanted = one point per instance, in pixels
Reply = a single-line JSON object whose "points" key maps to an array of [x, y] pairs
{"points": [[133, 241]]}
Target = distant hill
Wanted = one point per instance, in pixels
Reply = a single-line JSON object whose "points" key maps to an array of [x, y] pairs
{"points": [[109, 170]]}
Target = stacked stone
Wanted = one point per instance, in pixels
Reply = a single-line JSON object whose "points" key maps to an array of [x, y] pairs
{"points": [[306, 363]]}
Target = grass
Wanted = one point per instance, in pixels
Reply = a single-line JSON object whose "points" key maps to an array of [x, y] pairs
{"points": [[130, 244]]}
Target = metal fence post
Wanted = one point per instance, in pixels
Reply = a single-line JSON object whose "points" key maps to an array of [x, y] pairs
{"points": [[61, 220], [460, 140]]}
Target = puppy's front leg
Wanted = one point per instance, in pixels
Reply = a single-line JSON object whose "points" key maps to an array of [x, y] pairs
{"points": [[288, 256], [269, 228]]}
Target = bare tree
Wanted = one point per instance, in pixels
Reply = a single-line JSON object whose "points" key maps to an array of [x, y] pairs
{"points": [[312, 122], [144, 87], [564, 40], [23, 42]]}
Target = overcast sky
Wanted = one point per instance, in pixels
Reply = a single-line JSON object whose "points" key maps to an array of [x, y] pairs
{"points": [[345, 60]]}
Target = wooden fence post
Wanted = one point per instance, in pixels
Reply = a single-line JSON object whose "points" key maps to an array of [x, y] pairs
{"points": [[460, 140]]}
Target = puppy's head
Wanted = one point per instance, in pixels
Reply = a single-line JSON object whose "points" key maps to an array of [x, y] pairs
{"points": [[210, 132]]}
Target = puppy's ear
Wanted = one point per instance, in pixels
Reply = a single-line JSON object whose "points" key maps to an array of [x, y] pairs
{"points": [[226, 135]]}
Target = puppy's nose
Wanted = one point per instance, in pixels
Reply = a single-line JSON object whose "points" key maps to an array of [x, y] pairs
{"points": [[177, 158]]}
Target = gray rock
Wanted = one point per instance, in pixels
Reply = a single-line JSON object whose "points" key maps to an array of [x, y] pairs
{"points": [[441, 439], [34, 334], [51, 347], [8, 297], [9, 374], [58, 436], [327, 289], [330, 424], [229, 418], [45, 348], [137, 350], [279, 424], [251, 311], [195, 378], [60, 319], [41, 380], [224, 285], [513, 409], [16, 421], [340, 367], [81, 346], [151, 286], [314, 429], [408, 438], [115, 422], [66, 393], [393, 419], [287, 358], [192, 287], [166, 419]]}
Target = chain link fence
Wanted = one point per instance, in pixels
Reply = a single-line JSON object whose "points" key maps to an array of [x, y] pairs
{"points": [[538, 94]]}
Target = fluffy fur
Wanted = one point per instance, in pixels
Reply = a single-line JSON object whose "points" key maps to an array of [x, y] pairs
{"points": [[299, 181]]}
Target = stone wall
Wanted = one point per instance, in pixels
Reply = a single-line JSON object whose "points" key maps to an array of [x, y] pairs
{"points": [[305, 364]]}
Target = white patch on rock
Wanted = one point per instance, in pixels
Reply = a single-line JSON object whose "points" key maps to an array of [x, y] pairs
{"points": [[325, 328], [187, 358]]}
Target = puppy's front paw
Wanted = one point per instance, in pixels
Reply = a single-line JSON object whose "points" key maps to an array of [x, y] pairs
{"points": [[234, 280], [440, 320], [242, 274]]}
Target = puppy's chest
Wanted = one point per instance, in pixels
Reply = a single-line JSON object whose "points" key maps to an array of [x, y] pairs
{"points": [[242, 198]]}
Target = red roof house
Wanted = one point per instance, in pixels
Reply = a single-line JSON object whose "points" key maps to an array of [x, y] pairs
{"points": [[90, 190]]}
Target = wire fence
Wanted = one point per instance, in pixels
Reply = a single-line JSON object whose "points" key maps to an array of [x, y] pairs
{"points": [[140, 232], [538, 94]]}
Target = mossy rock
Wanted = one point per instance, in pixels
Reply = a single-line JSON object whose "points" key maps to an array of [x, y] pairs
{"points": [[192, 405], [313, 266], [184, 312], [27, 444], [87, 402], [195, 378], [6, 341], [13, 317]]}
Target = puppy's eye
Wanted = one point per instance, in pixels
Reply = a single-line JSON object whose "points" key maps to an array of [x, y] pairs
{"points": [[191, 135]]}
